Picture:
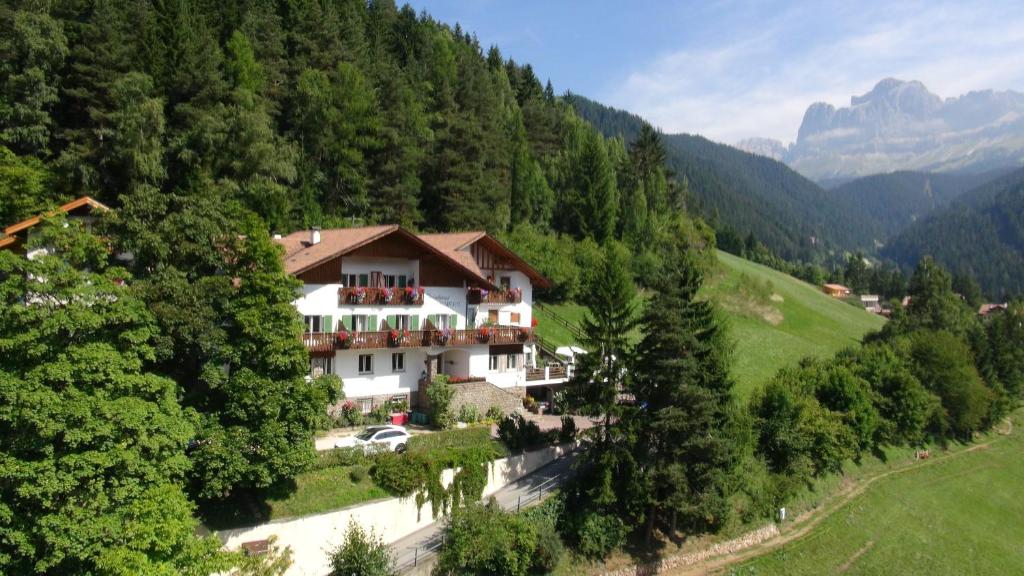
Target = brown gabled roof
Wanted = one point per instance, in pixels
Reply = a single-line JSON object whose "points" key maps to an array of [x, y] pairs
{"points": [[456, 244], [300, 255], [84, 202]]}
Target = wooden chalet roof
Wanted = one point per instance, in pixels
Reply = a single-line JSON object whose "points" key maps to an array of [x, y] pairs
{"points": [[85, 202], [301, 255], [457, 245]]}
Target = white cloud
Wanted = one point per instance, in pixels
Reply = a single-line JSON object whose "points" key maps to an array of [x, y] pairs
{"points": [[759, 81]]}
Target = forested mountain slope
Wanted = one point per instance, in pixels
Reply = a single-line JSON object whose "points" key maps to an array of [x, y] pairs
{"points": [[981, 235], [327, 113], [793, 216], [898, 199]]}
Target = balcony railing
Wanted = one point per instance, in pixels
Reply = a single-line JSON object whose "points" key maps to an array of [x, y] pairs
{"points": [[480, 296], [547, 373], [380, 296], [330, 341]]}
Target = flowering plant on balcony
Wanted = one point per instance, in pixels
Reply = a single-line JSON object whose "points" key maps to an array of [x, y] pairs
{"points": [[524, 333], [357, 296], [484, 333], [394, 337], [443, 336], [386, 295], [344, 339]]}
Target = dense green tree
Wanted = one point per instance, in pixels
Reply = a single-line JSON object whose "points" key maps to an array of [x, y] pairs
{"points": [[589, 206], [33, 48], [362, 554], [26, 187], [686, 421], [92, 455], [483, 540], [933, 304]]}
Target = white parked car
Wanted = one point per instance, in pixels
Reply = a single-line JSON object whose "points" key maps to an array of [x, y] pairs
{"points": [[388, 437]]}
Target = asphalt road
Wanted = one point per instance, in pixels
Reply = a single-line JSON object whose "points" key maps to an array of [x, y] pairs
{"points": [[422, 544]]}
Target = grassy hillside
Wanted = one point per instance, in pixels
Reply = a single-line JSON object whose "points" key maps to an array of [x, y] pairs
{"points": [[960, 515], [774, 319]]}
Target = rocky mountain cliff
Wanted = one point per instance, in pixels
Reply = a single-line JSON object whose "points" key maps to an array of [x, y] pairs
{"points": [[900, 125]]}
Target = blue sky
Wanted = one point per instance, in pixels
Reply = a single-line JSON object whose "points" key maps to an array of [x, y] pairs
{"points": [[730, 70]]}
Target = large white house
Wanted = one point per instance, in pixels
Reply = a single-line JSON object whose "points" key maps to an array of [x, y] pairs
{"points": [[386, 310]]}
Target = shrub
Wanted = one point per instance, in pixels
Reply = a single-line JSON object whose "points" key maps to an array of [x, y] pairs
{"points": [[378, 415], [549, 549], [440, 392], [469, 414], [484, 540], [568, 431], [362, 554], [400, 474], [600, 534], [357, 474], [494, 413], [349, 415], [352, 456], [518, 433]]}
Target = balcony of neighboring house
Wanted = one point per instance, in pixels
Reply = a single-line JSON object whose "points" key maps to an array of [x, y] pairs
{"points": [[360, 296], [500, 296], [324, 342], [548, 374]]}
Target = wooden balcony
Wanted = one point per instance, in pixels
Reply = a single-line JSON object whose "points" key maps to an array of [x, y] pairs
{"points": [[481, 296], [547, 373], [380, 296], [326, 342]]}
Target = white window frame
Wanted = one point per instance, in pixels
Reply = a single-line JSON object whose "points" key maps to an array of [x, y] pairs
{"points": [[369, 358], [402, 322], [398, 362], [492, 363], [361, 322], [511, 361], [365, 405], [313, 323]]}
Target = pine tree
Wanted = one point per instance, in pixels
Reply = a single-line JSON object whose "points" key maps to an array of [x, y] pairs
{"points": [[33, 48], [680, 380]]}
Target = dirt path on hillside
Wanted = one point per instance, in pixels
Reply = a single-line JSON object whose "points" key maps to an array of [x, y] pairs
{"points": [[798, 528]]}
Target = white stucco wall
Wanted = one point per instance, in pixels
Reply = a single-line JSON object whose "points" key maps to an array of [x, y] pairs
{"points": [[383, 380], [311, 538], [524, 308]]}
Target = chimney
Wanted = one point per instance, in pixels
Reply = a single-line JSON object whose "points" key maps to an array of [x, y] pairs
{"points": [[314, 236]]}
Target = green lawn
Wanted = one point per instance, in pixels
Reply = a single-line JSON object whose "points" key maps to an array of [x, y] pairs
{"points": [[774, 319], [322, 490], [960, 515]]}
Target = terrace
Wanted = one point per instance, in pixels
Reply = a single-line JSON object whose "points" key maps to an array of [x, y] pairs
{"points": [[361, 296], [481, 296]]}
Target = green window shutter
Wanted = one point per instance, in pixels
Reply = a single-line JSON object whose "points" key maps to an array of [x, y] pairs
{"points": [[346, 321], [414, 322], [372, 323], [391, 321], [434, 319], [327, 323], [364, 280], [453, 321], [401, 281]]}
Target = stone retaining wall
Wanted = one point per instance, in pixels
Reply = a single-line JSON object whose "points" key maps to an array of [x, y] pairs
{"points": [[483, 395]]}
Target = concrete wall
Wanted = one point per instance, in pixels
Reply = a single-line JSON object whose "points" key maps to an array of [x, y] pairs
{"points": [[311, 538]]}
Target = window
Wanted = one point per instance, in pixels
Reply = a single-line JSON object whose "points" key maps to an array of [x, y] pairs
{"points": [[313, 323], [493, 366], [350, 280], [492, 316], [510, 361], [515, 318], [506, 282], [529, 359], [398, 362], [402, 281], [366, 363], [361, 323], [320, 365], [365, 404], [401, 322]]}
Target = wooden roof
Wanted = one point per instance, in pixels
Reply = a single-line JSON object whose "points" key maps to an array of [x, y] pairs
{"points": [[75, 205], [457, 245], [301, 255]]}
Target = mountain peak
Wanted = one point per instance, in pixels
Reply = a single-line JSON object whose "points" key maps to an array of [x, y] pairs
{"points": [[900, 124]]}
